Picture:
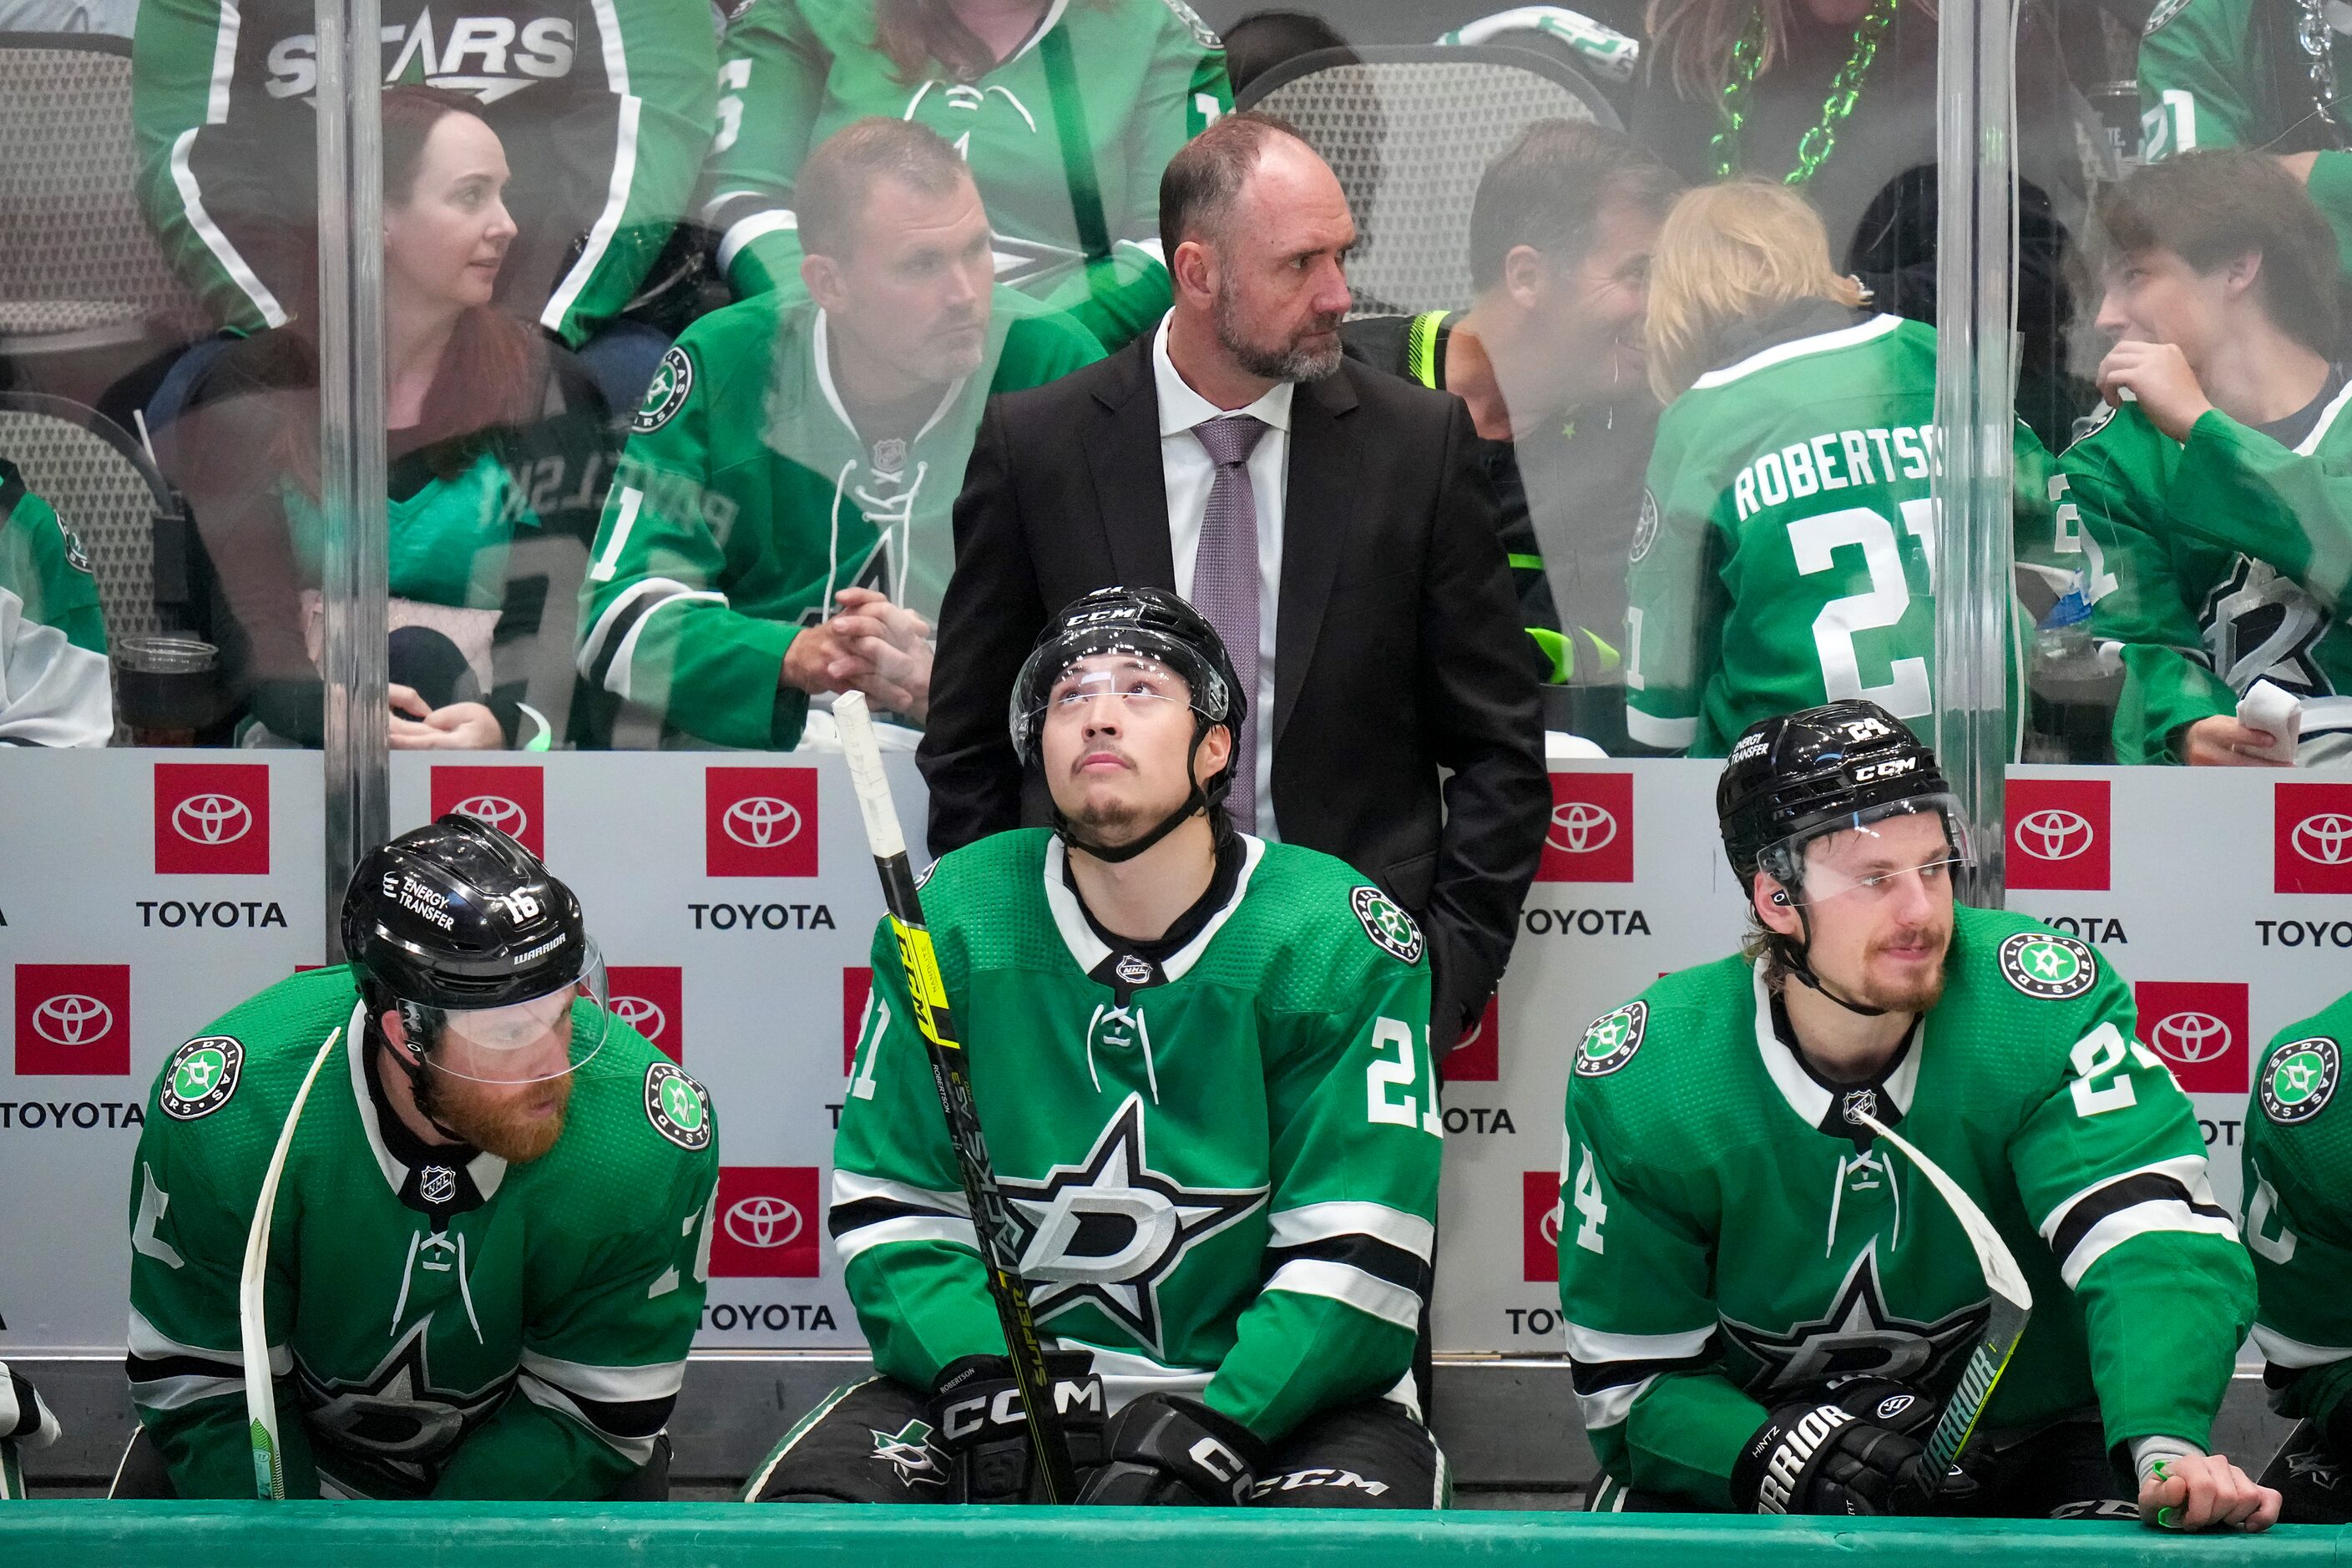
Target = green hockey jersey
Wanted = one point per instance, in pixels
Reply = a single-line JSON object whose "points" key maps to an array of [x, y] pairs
{"points": [[1221, 1155], [1724, 1242], [54, 689], [2218, 564], [445, 1329], [2298, 1170], [1066, 138], [605, 110], [747, 499]]}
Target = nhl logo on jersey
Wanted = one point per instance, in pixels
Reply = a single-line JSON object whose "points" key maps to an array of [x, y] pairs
{"points": [[1135, 970], [2300, 1079], [1391, 928], [436, 1183], [2045, 964], [673, 379], [678, 1107], [200, 1076], [1857, 1104], [1611, 1040]]}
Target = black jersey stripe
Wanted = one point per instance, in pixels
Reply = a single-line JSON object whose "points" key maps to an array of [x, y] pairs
{"points": [[2127, 1191], [859, 1213], [154, 1369], [616, 631], [1367, 1253], [1592, 1377]]}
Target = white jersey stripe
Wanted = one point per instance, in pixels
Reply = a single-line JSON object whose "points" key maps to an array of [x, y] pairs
{"points": [[2189, 1170], [637, 1450], [1610, 1406], [192, 201], [1367, 1293], [775, 220], [616, 197], [1662, 734], [1819, 342], [1327, 1221], [849, 1187], [607, 1385], [1594, 1347], [2281, 1351], [850, 1244], [2140, 1219]]}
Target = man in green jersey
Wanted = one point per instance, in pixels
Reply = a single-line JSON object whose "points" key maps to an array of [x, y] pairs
{"points": [[1202, 1063], [490, 1243], [780, 527], [2298, 1168], [1766, 1305], [2210, 502], [54, 689]]}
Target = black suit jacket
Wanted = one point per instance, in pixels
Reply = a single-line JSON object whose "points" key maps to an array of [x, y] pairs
{"points": [[1398, 649]]}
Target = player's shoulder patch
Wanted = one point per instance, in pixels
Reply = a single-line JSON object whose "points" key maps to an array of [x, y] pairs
{"points": [[1611, 1039], [1645, 528], [2164, 13], [201, 1076], [678, 1107], [2090, 425], [673, 380], [1202, 34], [1391, 930], [2048, 966], [2300, 1079], [77, 556]]}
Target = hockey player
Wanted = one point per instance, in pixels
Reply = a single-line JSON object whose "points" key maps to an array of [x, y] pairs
{"points": [[25, 1422], [1067, 113], [1765, 1305], [2212, 495], [1202, 1063], [792, 459], [2298, 1193], [489, 1247], [54, 688]]}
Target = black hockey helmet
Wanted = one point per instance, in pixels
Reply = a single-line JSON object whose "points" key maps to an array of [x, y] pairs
{"points": [[1795, 776], [460, 928], [1151, 624]]}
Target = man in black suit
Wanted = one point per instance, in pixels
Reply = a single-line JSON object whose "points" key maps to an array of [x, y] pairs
{"points": [[1330, 521]]}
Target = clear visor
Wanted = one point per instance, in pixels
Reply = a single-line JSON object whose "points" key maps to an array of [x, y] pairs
{"points": [[526, 1042], [1878, 853], [1133, 678]]}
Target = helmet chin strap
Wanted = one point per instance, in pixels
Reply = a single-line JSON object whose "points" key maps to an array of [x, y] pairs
{"points": [[411, 1063], [1794, 960], [1196, 799]]}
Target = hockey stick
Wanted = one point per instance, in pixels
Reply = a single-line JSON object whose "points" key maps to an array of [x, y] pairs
{"points": [[2012, 1304], [253, 1329], [12, 1474], [991, 1221]]}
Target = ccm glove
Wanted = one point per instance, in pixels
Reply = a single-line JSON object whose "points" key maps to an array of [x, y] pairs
{"points": [[1812, 1457], [977, 1417], [1168, 1449]]}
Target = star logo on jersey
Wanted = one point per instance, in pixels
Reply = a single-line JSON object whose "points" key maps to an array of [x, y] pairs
{"points": [[1391, 928], [1645, 528], [1858, 1337], [678, 1107], [396, 1415], [2315, 1468], [2044, 964], [673, 379], [2301, 1080], [1111, 1230], [201, 1076], [1611, 1040], [908, 1451]]}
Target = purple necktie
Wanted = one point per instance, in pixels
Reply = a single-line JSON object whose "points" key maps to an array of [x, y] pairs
{"points": [[1225, 584]]}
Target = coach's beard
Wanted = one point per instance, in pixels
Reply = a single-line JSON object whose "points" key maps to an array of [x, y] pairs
{"points": [[1292, 362]]}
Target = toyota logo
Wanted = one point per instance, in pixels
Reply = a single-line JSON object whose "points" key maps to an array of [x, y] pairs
{"points": [[212, 819], [641, 1014], [73, 1020], [2191, 1038], [497, 811], [763, 1221], [2325, 839], [2053, 834], [1578, 827], [761, 822], [1547, 1227]]}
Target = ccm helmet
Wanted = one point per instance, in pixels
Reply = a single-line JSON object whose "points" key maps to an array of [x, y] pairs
{"points": [[1149, 624]]}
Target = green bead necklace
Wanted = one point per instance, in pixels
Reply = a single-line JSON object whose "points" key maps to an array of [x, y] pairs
{"points": [[1845, 89]]}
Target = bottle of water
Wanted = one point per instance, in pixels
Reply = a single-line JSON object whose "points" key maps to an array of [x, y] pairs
{"points": [[2062, 650], [2074, 686]]}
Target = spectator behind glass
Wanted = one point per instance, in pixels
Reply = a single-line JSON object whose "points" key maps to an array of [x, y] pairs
{"points": [[2213, 497], [1065, 109], [495, 436], [1874, 183], [1548, 357], [1264, 39], [797, 454], [54, 685]]}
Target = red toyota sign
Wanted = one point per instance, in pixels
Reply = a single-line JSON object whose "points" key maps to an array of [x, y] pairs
{"points": [[212, 819], [512, 800], [73, 1019], [651, 999], [1477, 1056], [856, 985], [766, 1224], [1539, 1193], [2198, 1027], [2311, 829], [1590, 835], [2058, 836], [760, 822]]}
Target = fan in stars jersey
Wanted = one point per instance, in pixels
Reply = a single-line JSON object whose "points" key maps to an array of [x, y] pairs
{"points": [[490, 1243], [1202, 1064], [1766, 1305]]}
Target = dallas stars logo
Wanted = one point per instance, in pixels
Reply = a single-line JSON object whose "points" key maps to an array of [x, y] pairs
{"points": [[2301, 1080], [1858, 1337], [673, 379], [1391, 928], [1611, 1040], [1111, 1230], [200, 1076], [910, 1451], [2044, 964], [396, 1415]]}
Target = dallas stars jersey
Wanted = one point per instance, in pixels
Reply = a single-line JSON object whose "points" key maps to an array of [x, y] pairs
{"points": [[1222, 1159], [1066, 139], [2298, 1199], [606, 112], [747, 499], [54, 686], [2219, 563], [445, 1329], [1724, 1242]]}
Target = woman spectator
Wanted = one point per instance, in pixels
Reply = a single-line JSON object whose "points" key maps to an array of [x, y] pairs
{"points": [[495, 436], [1067, 110]]}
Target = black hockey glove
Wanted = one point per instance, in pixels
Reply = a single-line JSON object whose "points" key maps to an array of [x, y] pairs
{"points": [[977, 1417], [1168, 1449], [1821, 1458]]}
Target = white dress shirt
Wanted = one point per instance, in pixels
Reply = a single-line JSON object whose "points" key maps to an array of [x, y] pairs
{"points": [[1188, 473]]}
